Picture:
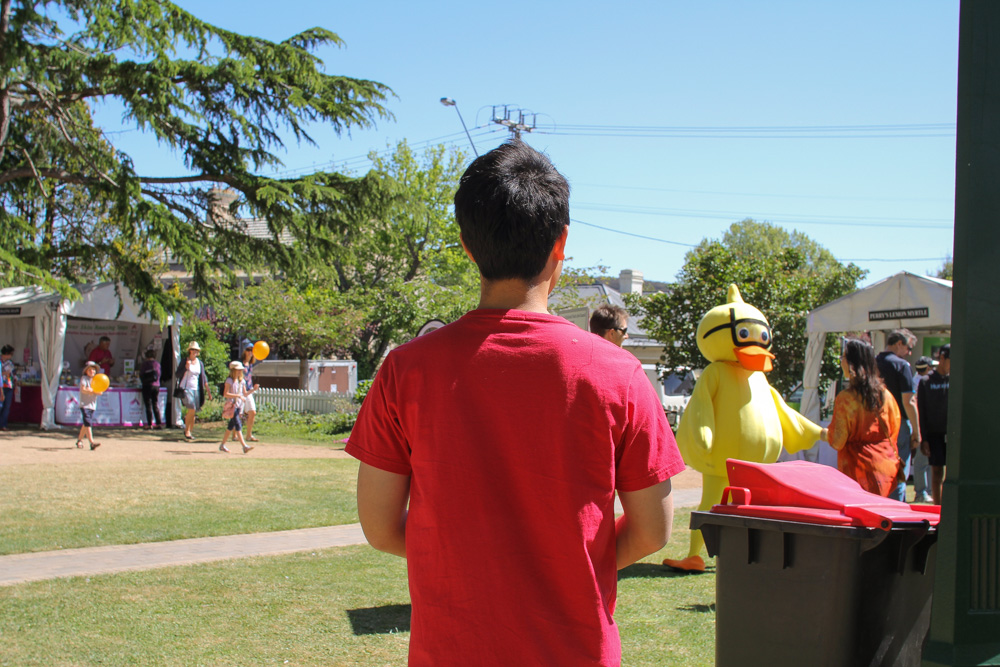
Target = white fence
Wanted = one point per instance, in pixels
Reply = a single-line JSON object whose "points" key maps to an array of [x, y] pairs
{"points": [[299, 400]]}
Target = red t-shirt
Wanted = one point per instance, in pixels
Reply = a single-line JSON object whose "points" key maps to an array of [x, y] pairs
{"points": [[516, 428], [99, 356]]}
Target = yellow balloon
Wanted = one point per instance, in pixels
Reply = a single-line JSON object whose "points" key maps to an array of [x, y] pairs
{"points": [[100, 383], [261, 350]]}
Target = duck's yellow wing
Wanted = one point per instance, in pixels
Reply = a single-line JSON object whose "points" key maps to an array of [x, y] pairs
{"points": [[797, 432], [696, 431]]}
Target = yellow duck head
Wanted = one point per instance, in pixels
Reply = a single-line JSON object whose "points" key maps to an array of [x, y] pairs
{"points": [[736, 331]]}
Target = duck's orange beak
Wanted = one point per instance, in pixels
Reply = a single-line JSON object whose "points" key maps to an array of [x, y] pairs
{"points": [[754, 358]]}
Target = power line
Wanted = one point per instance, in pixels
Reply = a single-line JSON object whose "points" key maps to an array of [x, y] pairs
{"points": [[898, 131], [690, 245], [638, 236], [837, 197], [863, 221]]}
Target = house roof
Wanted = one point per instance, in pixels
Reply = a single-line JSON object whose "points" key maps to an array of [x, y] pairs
{"points": [[598, 293]]}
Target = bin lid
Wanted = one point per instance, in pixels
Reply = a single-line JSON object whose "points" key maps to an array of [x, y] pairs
{"points": [[813, 493]]}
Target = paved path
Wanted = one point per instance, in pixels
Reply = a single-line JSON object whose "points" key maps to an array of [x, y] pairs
{"points": [[22, 568], [29, 446]]}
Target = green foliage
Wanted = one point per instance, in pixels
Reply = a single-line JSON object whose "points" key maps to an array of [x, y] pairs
{"points": [[300, 322], [947, 270], [74, 208], [214, 354], [331, 423], [392, 250], [784, 275], [362, 391]]}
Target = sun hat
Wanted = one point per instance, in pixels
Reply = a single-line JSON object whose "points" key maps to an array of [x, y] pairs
{"points": [[924, 363], [193, 345], [236, 366], [91, 363]]}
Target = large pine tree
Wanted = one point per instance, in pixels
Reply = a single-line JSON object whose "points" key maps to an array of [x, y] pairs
{"points": [[74, 207]]}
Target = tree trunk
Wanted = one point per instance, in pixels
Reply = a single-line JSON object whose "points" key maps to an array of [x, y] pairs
{"points": [[303, 373]]}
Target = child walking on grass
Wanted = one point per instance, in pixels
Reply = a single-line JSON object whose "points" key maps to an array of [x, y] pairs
{"points": [[88, 403], [234, 393]]}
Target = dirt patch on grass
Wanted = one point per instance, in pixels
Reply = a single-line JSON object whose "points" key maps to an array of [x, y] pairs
{"points": [[30, 445]]}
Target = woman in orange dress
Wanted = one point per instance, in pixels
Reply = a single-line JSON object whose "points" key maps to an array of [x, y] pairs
{"points": [[865, 422]]}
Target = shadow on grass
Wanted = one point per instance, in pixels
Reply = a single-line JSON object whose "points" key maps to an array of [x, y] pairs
{"points": [[654, 571], [383, 620], [700, 608]]}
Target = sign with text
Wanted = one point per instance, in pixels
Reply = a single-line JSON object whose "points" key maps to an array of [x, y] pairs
{"points": [[898, 314], [83, 336]]}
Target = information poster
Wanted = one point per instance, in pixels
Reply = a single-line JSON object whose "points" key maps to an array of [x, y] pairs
{"points": [[84, 336]]}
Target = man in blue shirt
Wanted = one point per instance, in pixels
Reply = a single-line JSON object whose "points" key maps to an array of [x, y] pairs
{"points": [[902, 383]]}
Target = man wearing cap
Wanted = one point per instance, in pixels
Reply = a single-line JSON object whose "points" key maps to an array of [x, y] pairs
{"points": [[901, 382], [921, 466], [932, 402], [610, 322]]}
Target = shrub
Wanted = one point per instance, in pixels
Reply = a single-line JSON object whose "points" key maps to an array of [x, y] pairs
{"points": [[362, 391], [214, 354]]}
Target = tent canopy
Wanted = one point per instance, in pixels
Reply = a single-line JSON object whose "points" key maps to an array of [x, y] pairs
{"points": [[47, 313], [96, 302], [904, 300]]}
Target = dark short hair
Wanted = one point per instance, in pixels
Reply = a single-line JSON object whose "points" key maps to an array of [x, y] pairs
{"points": [[511, 206], [945, 351], [104, 338], [7, 349], [606, 317], [151, 354], [901, 336]]}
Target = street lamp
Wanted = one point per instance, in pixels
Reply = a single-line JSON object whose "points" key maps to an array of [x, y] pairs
{"points": [[448, 102]]}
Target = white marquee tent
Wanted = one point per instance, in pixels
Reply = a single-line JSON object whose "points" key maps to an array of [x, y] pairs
{"points": [[905, 300], [27, 310]]}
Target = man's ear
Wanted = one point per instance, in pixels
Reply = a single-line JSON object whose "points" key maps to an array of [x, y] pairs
{"points": [[466, 248], [559, 249]]}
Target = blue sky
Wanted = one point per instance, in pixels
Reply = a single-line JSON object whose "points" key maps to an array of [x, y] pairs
{"points": [[671, 120]]}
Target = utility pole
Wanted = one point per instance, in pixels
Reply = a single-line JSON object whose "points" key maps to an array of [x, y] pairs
{"points": [[506, 118]]}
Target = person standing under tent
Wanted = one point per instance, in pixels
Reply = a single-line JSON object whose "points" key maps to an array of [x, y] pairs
{"points": [[901, 382], [149, 375], [865, 423], [920, 467], [932, 399], [101, 355], [7, 380]]}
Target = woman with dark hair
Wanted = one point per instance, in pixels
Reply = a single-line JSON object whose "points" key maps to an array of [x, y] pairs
{"points": [[865, 422], [6, 384]]}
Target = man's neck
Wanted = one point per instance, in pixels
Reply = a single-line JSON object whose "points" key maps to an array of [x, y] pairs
{"points": [[514, 294]]}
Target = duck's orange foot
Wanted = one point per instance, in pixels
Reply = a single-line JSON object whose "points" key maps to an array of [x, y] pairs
{"points": [[690, 564]]}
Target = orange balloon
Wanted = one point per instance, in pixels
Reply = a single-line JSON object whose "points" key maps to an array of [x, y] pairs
{"points": [[100, 383], [261, 350]]}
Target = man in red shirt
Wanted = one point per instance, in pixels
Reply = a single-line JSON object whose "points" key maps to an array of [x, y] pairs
{"points": [[101, 355], [508, 433]]}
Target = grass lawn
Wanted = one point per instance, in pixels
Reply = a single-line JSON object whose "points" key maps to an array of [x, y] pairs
{"points": [[93, 504], [346, 606]]}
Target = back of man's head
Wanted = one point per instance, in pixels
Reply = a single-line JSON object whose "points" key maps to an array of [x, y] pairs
{"points": [[511, 206]]}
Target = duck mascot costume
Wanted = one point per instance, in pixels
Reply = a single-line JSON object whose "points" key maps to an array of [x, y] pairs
{"points": [[733, 412]]}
